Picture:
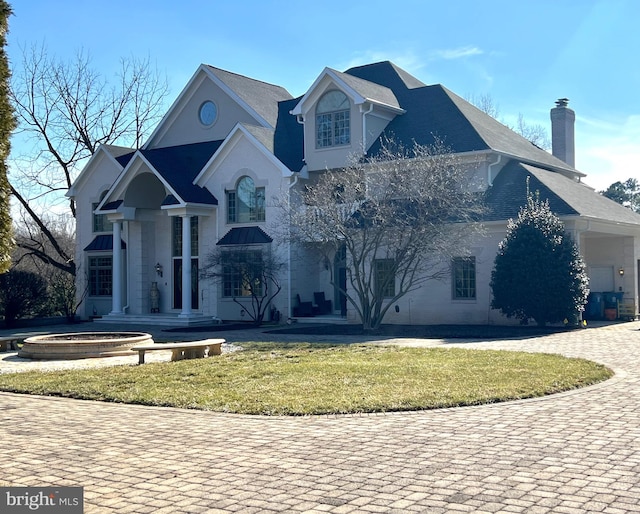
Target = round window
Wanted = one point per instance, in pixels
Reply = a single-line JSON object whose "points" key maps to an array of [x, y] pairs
{"points": [[208, 113]]}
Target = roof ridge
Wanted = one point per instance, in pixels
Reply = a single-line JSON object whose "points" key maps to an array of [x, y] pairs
{"points": [[246, 77]]}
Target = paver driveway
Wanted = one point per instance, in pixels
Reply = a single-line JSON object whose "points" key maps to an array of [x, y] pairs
{"points": [[576, 452]]}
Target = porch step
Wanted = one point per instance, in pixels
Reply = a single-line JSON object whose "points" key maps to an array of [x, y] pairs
{"points": [[165, 320], [330, 319]]}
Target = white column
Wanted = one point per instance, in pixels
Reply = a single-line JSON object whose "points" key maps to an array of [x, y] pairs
{"points": [[186, 267], [116, 272]]}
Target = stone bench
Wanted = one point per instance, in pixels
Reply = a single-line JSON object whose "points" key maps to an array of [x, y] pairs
{"points": [[182, 350], [9, 343]]}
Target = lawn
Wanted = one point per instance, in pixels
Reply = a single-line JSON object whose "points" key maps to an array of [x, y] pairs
{"points": [[304, 379]]}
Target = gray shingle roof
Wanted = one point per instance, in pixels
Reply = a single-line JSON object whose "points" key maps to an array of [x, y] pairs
{"points": [[566, 196], [434, 111], [500, 138], [387, 74], [260, 96], [370, 90]]}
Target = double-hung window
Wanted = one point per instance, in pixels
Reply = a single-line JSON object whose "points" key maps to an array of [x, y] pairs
{"points": [[384, 277], [464, 278], [100, 276]]}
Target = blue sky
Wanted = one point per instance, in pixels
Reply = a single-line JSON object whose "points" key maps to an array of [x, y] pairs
{"points": [[524, 54]]}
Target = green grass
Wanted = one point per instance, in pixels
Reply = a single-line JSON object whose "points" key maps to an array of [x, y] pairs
{"points": [[308, 379]]}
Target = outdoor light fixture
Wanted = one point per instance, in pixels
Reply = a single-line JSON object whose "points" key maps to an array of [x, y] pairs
{"points": [[159, 269], [621, 271]]}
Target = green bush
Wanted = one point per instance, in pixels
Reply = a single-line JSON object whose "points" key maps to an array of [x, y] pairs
{"points": [[22, 294], [538, 271]]}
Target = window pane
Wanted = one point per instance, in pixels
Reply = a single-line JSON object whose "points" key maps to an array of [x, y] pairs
{"points": [[246, 203], [100, 276], [194, 236], [260, 204], [464, 277], [342, 131], [231, 207], [324, 136], [332, 101], [100, 222], [384, 278], [242, 274], [176, 237]]}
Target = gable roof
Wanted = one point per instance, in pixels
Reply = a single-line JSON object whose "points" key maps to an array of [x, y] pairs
{"points": [[262, 97], [566, 196], [179, 166], [360, 91], [370, 91]]}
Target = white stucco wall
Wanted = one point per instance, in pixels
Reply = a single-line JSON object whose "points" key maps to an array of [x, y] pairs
{"points": [[184, 127], [244, 159], [93, 183]]}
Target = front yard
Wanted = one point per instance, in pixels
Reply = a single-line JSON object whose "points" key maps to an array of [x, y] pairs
{"points": [[304, 379]]}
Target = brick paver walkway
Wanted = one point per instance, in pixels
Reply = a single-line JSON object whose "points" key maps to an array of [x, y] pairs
{"points": [[574, 453]]}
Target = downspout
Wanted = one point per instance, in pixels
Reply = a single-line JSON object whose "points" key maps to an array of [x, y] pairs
{"points": [[289, 306], [364, 127], [490, 172], [300, 120]]}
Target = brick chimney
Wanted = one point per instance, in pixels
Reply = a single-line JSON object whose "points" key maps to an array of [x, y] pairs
{"points": [[562, 137]]}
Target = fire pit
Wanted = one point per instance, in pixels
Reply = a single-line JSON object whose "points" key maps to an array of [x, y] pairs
{"points": [[82, 345]]}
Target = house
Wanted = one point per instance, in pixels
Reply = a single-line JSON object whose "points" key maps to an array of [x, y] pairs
{"points": [[229, 144]]}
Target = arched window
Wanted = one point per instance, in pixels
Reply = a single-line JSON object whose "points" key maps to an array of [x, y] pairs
{"points": [[246, 202], [333, 126]]}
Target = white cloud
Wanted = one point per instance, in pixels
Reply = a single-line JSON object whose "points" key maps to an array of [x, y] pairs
{"points": [[407, 60], [457, 53], [608, 151]]}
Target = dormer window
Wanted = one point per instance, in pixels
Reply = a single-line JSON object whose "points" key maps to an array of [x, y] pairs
{"points": [[333, 125]]}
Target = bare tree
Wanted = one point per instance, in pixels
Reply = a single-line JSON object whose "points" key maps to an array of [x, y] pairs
{"points": [[535, 133], [66, 110], [31, 255], [400, 217], [486, 104], [246, 273]]}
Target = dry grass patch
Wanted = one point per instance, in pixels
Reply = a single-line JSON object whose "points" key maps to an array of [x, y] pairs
{"points": [[303, 379]]}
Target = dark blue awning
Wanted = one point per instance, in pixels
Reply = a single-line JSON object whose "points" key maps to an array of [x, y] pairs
{"points": [[103, 243], [245, 236]]}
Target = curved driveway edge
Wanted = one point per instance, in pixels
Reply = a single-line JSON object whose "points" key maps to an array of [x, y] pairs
{"points": [[570, 453]]}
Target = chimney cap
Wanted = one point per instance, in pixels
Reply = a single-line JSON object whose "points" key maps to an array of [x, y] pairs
{"points": [[562, 102]]}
